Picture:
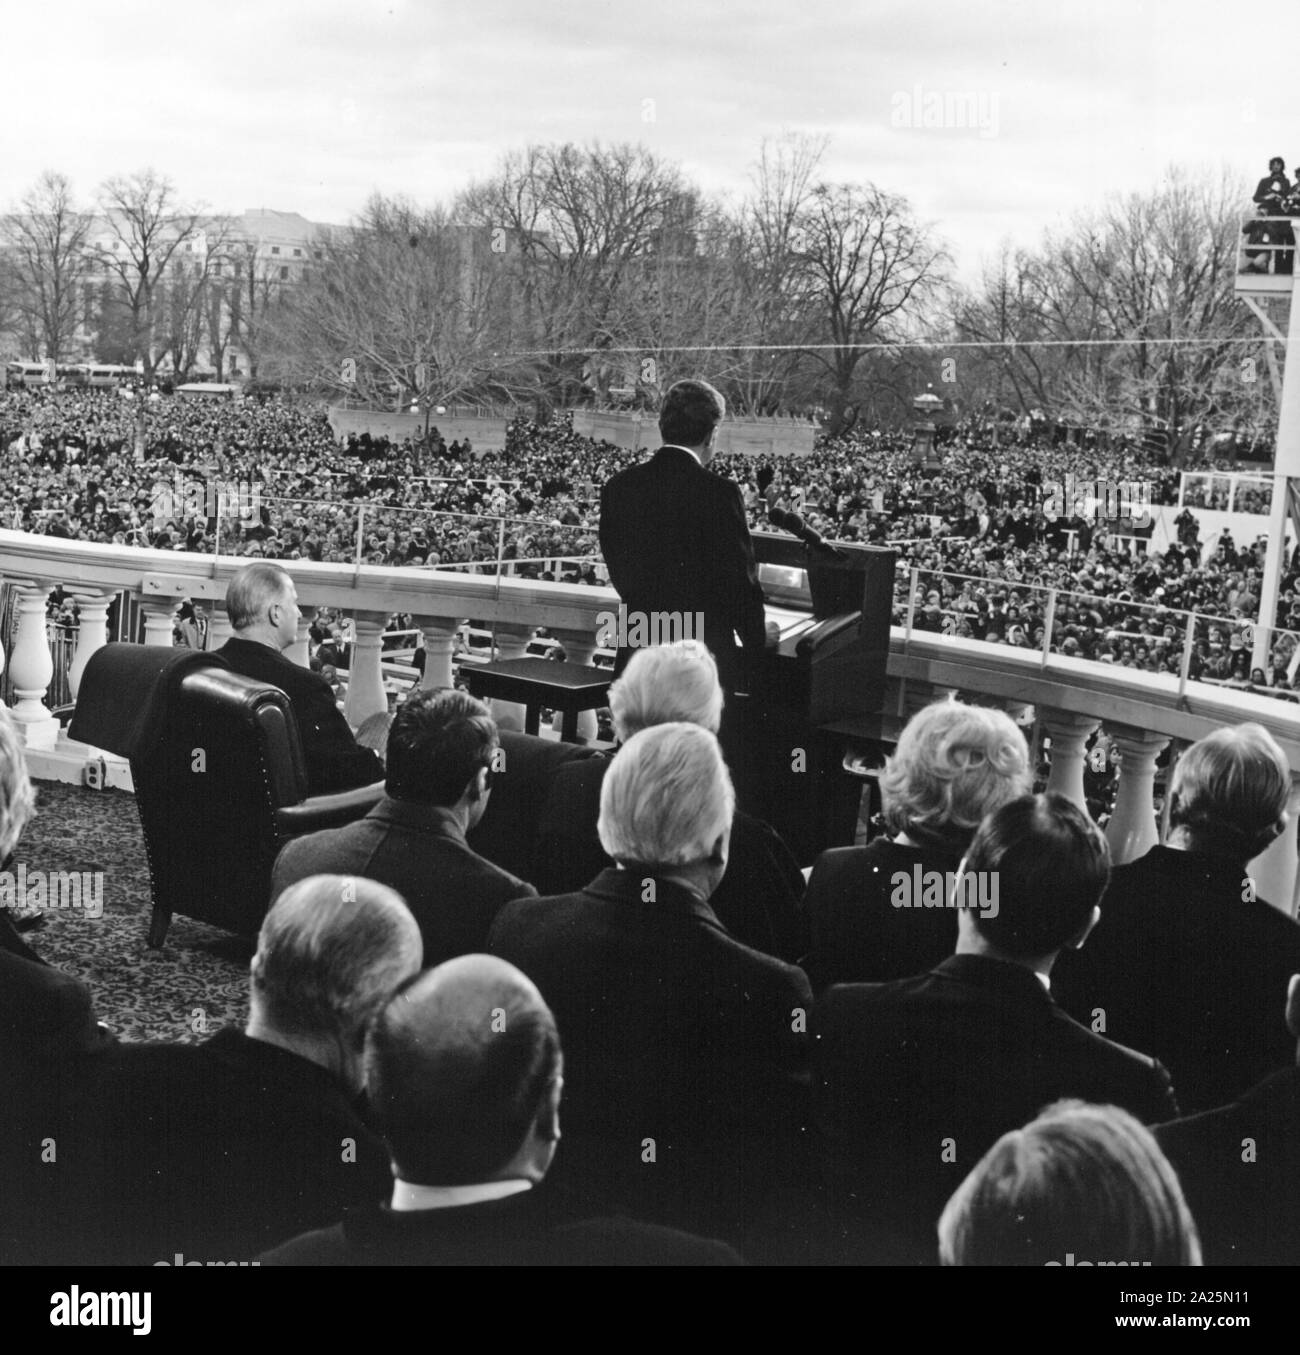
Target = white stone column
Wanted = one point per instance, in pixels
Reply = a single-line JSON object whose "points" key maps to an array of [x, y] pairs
{"points": [[158, 615], [1132, 830], [579, 647], [366, 695], [512, 643], [92, 633], [1068, 732], [439, 636], [1275, 871], [31, 667]]}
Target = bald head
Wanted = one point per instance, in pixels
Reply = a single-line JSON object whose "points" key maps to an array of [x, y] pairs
{"points": [[460, 1065]]}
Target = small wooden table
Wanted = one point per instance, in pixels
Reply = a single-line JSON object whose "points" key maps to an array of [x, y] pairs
{"points": [[567, 687]]}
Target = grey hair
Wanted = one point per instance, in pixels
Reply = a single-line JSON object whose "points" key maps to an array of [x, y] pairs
{"points": [[666, 798], [666, 683]]}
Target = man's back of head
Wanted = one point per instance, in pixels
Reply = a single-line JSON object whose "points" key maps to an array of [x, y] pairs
{"points": [[690, 413], [441, 746], [330, 954], [262, 604], [666, 804], [1041, 865], [1229, 793], [463, 1071]]}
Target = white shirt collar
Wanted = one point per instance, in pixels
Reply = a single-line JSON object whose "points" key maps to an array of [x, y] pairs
{"points": [[678, 447], [407, 1197]]}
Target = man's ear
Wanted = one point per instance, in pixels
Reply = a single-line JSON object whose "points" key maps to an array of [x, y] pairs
{"points": [[1076, 942], [1293, 1006], [478, 786], [548, 1115]]}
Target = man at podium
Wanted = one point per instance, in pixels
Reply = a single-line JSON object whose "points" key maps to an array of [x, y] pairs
{"points": [[676, 541]]}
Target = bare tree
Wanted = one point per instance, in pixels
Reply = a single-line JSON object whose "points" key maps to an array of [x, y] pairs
{"points": [[52, 261], [150, 228], [873, 266], [405, 306]]}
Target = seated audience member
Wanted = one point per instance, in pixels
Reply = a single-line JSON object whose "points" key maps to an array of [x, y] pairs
{"points": [[684, 1048], [263, 606], [464, 1076], [50, 1042], [1240, 1166], [758, 899], [917, 1078], [1080, 1185], [439, 776], [1188, 962], [220, 1150], [953, 764]]}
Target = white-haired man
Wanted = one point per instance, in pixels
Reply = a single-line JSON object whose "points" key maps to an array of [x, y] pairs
{"points": [[758, 898], [1189, 963], [219, 1150], [262, 603], [686, 1048]]}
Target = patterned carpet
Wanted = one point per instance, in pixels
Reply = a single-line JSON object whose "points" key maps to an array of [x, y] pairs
{"points": [[193, 986]]}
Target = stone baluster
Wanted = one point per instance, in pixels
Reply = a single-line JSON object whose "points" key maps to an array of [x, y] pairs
{"points": [[31, 667], [1069, 733], [92, 633], [366, 695], [512, 643], [1132, 830], [579, 647], [439, 636], [158, 615], [1274, 871]]}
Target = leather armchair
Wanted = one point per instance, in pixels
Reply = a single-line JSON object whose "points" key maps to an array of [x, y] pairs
{"points": [[220, 782]]}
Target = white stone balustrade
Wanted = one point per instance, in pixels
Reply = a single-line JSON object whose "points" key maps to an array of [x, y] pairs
{"points": [[439, 636], [512, 643], [1069, 733], [92, 633], [1071, 696], [1132, 830], [579, 647], [31, 669], [366, 695]]}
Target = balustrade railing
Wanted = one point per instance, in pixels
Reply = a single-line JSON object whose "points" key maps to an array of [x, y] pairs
{"points": [[1062, 698]]}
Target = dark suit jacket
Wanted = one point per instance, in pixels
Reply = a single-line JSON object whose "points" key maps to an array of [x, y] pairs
{"points": [[419, 851], [858, 936], [50, 1045], [516, 1231], [1186, 969], [1240, 1170], [334, 762], [917, 1079], [678, 1042], [758, 900], [675, 538], [218, 1151]]}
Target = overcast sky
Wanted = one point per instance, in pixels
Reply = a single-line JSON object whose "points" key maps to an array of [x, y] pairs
{"points": [[310, 107]]}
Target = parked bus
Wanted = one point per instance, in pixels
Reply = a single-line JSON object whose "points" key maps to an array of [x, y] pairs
{"points": [[19, 375]]}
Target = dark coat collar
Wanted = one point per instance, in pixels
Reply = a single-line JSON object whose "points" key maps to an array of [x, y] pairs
{"points": [[436, 820], [996, 976], [626, 887]]}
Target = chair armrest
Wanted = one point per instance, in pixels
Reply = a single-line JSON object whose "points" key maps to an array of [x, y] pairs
{"points": [[327, 811]]}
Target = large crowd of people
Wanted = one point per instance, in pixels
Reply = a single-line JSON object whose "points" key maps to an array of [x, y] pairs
{"points": [[269, 480]]}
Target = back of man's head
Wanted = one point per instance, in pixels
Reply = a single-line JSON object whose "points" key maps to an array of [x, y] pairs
{"points": [[663, 683], [1230, 792], [1049, 865], [331, 952], [437, 743], [690, 412], [1080, 1181], [666, 798], [252, 591], [459, 1066]]}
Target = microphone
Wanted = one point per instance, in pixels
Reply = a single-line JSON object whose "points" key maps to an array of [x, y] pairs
{"points": [[796, 526]]}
